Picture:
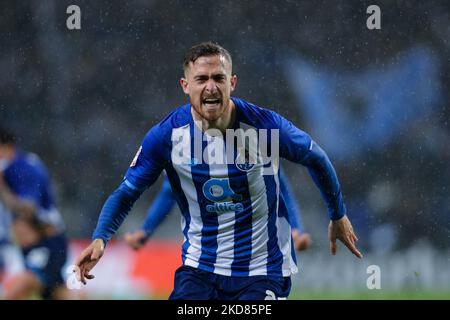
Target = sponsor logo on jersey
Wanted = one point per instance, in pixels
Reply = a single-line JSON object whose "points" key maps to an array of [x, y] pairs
{"points": [[220, 192]]}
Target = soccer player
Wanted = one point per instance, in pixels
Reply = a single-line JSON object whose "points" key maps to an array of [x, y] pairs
{"points": [[237, 244], [165, 201], [28, 208]]}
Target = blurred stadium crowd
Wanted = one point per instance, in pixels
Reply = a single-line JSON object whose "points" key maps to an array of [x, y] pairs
{"points": [[378, 101]]}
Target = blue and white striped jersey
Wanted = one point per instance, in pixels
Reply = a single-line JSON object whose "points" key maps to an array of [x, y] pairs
{"points": [[164, 202], [231, 217], [234, 220], [28, 179]]}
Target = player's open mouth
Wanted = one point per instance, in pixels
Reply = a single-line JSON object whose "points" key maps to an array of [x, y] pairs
{"points": [[211, 101]]}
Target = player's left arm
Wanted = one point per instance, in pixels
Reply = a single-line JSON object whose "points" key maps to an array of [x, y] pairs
{"points": [[292, 206], [158, 211], [160, 208], [302, 240], [325, 177], [297, 146]]}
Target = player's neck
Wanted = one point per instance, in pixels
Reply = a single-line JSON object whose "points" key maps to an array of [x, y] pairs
{"points": [[222, 123]]}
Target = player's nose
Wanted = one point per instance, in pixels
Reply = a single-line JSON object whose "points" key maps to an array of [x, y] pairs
{"points": [[211, 86]]}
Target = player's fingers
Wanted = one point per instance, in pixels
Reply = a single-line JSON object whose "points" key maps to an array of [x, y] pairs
{"points": [[87, 275], [351, 240], [333, 247], [77, 272], [81, 277], [79, 260], [95, 254], [131, 243], [83, 257], [353, 249]]}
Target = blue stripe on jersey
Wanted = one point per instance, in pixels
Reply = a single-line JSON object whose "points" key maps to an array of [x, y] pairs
{"points": [[200, 175], [243, 219], [275, 257], [179, 195]]}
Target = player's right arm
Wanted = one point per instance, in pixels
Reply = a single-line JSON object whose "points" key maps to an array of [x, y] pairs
{"points": [[158, 211], [143, 172]]}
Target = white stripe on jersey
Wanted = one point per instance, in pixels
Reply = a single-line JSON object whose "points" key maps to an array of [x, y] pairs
{"points": [[187, 186], [260, 208], [183, 225], [226, 220]]}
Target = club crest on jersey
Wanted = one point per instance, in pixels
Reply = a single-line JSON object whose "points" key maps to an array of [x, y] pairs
{"points": [[244, 147], [243, 161]]}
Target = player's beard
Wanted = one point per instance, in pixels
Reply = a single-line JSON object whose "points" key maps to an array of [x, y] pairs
{"points": [[211, 108]]}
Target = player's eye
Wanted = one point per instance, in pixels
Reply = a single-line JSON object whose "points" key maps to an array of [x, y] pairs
{"points": [[219, 78], [201, 79]]}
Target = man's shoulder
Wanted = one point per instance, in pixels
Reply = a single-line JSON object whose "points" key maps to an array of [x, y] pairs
{"points": [[178, 117], [254, 115], [27, 161], [26, 167], [161, 132]]}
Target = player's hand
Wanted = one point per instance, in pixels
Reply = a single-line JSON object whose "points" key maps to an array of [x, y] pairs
{"points": [[136, 239], [88, 259], [342, 229], [302, 241]]}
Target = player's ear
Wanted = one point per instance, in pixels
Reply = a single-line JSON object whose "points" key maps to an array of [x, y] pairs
{"points": [[184, 85], [233, 81]]}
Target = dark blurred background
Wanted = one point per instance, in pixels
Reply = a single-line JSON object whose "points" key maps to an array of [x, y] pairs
{"points": [[376, 100]]}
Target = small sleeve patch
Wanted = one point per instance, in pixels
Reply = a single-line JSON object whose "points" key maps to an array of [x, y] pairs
{"points": [[133, 163]]}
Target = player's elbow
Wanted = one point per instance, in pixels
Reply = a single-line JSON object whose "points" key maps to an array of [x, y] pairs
{"points": [[316, 156]]}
